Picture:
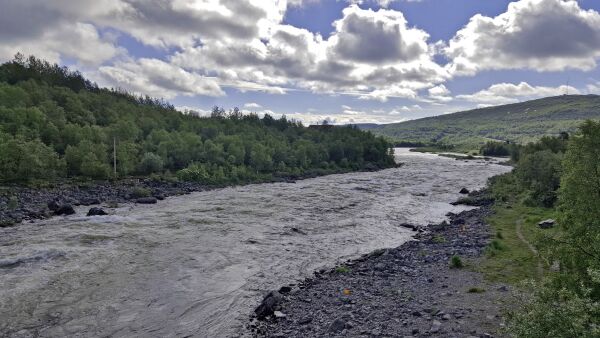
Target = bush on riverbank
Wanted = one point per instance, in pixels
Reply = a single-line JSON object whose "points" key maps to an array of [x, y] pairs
{"points": [[563, 171], [56, 124]]}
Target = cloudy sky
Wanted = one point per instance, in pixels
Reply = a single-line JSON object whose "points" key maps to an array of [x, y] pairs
{"points": [[344, 60]]}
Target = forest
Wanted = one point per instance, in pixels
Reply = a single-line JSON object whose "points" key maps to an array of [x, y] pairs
{"points": [[55, 124], [556, 177]]}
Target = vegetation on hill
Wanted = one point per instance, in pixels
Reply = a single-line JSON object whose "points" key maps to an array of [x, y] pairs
{"points": [[56, 124], [553, 178], [517, 123]]}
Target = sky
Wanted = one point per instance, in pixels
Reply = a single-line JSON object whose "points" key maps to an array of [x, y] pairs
{"points": [[345, 61]]}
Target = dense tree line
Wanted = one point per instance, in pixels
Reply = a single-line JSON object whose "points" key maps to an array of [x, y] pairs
{"points": [[55, 124], [562, 173]]}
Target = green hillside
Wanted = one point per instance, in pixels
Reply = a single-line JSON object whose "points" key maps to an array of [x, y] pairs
{"points": [[520, 122], [55, 124]]}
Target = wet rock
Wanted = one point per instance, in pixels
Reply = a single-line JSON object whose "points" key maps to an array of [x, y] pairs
{"points": [[53, 205], [285, 289], [96, 212], [305, 320], [269, 304], [337, 325], [146, 200], [65, 209], [464, 191]]}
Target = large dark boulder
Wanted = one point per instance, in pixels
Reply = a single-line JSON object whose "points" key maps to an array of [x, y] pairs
{"points": [[268, 305], [146, 200], [65, 209], [96, 212], [53, 205], [464, 191]]}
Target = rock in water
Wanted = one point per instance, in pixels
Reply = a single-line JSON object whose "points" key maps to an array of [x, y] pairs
{"points": [[268, 305], [53, 205], [464, 191], [146, 200], [96, 212], [65, 209], [547, 224]]}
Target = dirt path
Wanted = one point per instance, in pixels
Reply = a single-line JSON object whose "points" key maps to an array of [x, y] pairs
{"points": [[518, 229]]}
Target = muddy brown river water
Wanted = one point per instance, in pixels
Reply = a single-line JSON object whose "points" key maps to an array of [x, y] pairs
{"points": [[196, 265]]}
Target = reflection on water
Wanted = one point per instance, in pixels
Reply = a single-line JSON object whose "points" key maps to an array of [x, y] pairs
{"points": [[196, 265]]}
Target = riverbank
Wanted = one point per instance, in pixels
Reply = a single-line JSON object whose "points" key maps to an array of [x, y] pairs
{"points": [[22, 203], [417, 289]]}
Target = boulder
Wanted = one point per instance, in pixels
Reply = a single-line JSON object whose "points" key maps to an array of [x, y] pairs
{"points": [[146, 200], [96, 212], [337, 325], [464, 191], [65, 209], [53, 205], [547, 224], [269, 305]]}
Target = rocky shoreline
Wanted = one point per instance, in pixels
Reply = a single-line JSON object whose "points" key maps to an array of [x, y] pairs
{"points": [[20, 203], [410, 291]]}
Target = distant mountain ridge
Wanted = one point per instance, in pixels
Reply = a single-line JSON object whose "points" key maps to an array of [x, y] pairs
{"points": [[518, 122]]}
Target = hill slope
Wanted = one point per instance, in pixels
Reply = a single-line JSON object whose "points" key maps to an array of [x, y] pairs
{"points": [[520, 122], [54, 124]]}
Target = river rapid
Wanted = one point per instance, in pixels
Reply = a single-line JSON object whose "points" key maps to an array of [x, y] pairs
{"points": [[197, 264]]}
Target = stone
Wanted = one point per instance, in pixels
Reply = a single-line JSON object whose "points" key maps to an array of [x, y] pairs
{"points": [[547, 224], [305, 320], [96, 212], [464, 191], [53, 205], [146, 200], [285, 289], [435, 326], [65, 209], [279, 314], [337, 325], [268, 305]]}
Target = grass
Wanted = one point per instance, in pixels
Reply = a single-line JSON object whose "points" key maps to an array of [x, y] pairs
{"points": [[439, 239], [456, 262], [508, 259], [342, 269]]}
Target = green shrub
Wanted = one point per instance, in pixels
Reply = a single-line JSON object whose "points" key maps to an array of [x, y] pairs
{"points": [[342, 269], [150, 163], [140, 192], [456, 262], [439, 239]]}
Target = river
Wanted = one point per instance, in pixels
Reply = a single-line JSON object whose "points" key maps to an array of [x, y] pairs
{"points": [[196, 265]]}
